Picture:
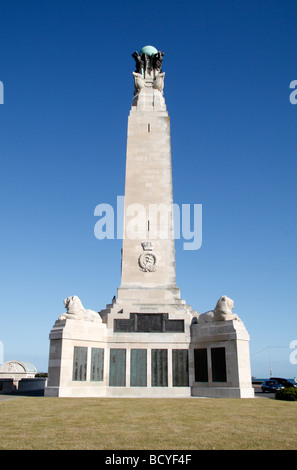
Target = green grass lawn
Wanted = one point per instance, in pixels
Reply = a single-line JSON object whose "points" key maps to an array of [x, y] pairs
{"points": [[147, 424]]}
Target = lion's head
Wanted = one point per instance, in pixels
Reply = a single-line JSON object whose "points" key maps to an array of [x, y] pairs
{"points": [[224, 305], [73, 304]]}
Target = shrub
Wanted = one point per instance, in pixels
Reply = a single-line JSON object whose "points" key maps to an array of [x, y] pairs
{"points": [[289, 394]]}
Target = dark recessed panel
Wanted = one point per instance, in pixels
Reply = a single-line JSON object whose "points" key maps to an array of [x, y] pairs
{"points": [[180, 368], [148, 323], [159, 366], [200, 364], [117, 368], [125, 325], [138, 366], [174, 326], [79, 372], [218, 365], [97, 361]]}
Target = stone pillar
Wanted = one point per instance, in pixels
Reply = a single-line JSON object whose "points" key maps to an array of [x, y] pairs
{"points": [[220, 360], [148, 256], [70, 372]]}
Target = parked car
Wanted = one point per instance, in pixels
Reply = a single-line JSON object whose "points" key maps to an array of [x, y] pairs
{"points": [[271, 386], [285, 382]]}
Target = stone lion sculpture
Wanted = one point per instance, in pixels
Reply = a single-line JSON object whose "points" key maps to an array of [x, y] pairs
{"points": [[76, 311], [222, 311]]}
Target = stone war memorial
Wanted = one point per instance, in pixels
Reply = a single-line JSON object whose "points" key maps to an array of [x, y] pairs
{"points": [[149, 342]]}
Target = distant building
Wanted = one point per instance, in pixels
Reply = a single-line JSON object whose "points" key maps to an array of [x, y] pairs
{"points": [[17, 370]]}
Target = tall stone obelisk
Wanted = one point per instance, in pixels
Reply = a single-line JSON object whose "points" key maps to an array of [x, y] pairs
{"points": [[148, 256], [148, 280]]}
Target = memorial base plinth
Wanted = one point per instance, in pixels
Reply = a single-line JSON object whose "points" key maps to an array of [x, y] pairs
{"points": [[88, 359], [221, 360]]}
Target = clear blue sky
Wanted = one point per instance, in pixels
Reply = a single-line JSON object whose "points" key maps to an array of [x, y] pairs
{"points": [[67, 69]]}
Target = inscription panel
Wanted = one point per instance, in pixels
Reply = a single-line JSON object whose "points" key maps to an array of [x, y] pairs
{"points": [[97, 361], [159, 368], [180, 368], [79, 371], [148, 323], [218, 365], [138, 368], [200, 364], [125, 325], [117, 368], [174, 326]]}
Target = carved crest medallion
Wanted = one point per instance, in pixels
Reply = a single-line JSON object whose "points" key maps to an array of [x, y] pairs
{"points": [[147, 260]]}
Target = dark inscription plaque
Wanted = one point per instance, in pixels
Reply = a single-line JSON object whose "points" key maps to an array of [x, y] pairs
{"points": [[125, 325], [180, 368], [200, 361], [148, 323], [174, 326], [79, 372], [159, 368], [138, 367], [97, 360], [117, 368], [218, 365]]}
